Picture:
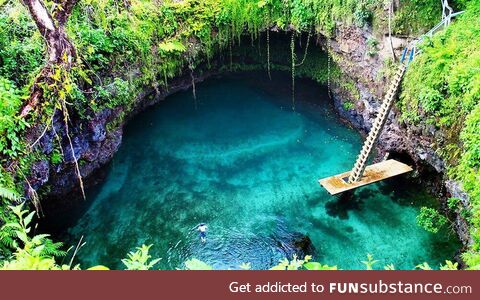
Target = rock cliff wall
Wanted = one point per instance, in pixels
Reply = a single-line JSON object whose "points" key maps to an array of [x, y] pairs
{"points": [[368, 68], [362, 57]]}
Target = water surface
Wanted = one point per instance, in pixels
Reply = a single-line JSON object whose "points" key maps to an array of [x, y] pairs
{"points": [[247, 165]]}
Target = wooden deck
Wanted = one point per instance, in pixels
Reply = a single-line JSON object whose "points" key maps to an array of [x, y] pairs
{"points": [[373, 173]]}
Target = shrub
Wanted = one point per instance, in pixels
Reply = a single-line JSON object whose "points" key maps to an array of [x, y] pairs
{"points": [[430, 219]]}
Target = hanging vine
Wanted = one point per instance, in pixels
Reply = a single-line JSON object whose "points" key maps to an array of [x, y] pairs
{"points": [[292, 48], [329, 58], [192, 77], [306, 50], [54, 85], [193, 51], [230, 51], [268, 55], [165, 78], [268, 16], [66, 119]]}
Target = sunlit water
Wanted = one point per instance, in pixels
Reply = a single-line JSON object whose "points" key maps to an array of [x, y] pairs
{"points": [[247, 165]]}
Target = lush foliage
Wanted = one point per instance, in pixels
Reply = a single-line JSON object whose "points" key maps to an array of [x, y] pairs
{"points": [[138, 260], [35, 252], [128, 47], [416, 16], [39, 252], [296, 263], [448, 100], [21, 45], [430, 219]]}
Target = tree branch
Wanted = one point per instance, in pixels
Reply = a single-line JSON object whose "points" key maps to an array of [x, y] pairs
{"points": [[40, 15], [63, 10]]}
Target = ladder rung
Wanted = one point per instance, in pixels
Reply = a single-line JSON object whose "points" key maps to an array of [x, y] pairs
{"points": [[380, 119]]}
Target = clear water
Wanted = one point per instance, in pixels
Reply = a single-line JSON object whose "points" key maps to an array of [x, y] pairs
{"points": [[247, 165]]}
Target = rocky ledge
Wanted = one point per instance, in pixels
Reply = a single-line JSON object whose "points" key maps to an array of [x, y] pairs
{"points": [[94, 145], [406, 142], [95, 140]]}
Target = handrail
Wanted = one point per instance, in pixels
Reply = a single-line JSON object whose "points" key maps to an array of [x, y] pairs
{"points": [[434, 28], [457, 13], [445, 22], [360, 164], [404, 54]]}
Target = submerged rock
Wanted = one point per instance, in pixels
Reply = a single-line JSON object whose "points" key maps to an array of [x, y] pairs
{"points": [[304, 245], [297, 244]]}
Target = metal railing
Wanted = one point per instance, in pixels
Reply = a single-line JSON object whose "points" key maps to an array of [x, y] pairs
{"points": [[360, 164]]}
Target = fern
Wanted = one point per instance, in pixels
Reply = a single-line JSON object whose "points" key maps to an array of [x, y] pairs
{"points": [[7, 237], [53, 249], [8, 194]]}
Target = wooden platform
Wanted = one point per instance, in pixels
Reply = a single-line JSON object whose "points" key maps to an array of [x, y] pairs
{"points": [[373, 173]]}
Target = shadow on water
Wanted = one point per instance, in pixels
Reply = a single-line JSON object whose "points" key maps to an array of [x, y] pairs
{"points": [[405, 191], [345, 202]]}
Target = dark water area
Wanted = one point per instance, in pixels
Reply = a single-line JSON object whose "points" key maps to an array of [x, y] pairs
{"points": [[247, 165]]}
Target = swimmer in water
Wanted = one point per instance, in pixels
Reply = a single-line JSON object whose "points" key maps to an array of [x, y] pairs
{"points": [[202, 228]]}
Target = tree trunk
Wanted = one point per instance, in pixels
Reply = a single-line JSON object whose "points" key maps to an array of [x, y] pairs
{"points": [[60, 50]]}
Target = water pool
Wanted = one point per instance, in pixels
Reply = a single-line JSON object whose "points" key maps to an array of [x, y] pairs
{"points": [[247, 165]]}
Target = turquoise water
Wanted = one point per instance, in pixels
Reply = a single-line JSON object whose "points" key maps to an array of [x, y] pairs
{"points": [[247, 165]]}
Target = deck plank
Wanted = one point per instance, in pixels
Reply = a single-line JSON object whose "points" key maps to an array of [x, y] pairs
{"points": [[373, 173]]}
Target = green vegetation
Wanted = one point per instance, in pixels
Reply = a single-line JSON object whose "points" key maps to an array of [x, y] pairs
{"points": [[431, 220], [372, 44], [124, 48], [38, 252], [348, 105], [369, 262], [416, 17], [453, 203], [139, 260], [306, 264], [35, 252], [448, 99]]}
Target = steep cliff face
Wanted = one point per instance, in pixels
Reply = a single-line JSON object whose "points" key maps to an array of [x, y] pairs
{"points": [[92, 144], [362, 57], [351, 47], [95, 140], [369, 71]]}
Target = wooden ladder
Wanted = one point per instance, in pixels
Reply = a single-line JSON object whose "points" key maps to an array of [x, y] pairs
{"points": [[361, 162]]}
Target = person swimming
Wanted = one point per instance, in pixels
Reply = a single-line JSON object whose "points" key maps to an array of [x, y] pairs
{"points": [[202, 229]]}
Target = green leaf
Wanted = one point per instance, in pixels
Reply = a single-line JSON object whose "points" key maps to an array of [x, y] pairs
{"points": [[195, 264], [22, 236], [245, 266], [318, 266], [424, 266], [13, 225], [261, 3], [172, 46], [98, 268], [38, 238], [8, 194], [28, 219]]}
